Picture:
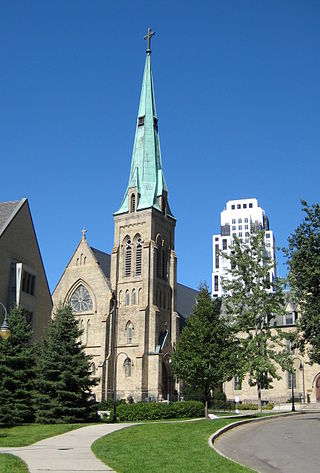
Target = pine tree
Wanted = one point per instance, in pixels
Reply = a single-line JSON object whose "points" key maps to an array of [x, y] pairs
{"points": [[63, 381], [205, 352], [16, 371]]}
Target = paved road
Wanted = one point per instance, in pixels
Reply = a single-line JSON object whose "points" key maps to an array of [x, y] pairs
{"points": [[282, 445], [68, 452]]}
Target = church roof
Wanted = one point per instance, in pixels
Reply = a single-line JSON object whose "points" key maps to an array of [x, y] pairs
{"points": [[146, 168], [104, 261], [7, 211]]}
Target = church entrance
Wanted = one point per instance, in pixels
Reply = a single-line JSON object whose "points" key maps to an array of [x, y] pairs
{"points": [[167, 382], [318, 389]]}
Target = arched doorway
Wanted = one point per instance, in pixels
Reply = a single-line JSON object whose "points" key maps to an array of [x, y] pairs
{"points": [[318, 389]]}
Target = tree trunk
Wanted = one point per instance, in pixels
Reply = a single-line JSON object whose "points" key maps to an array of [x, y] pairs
{"points": [[206, 408], [259, 397]]}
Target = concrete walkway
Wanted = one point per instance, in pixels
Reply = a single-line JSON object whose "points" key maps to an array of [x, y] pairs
{"points": [[66, 453]]}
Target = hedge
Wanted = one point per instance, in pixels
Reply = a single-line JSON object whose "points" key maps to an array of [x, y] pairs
{"points": [[157, 410]]}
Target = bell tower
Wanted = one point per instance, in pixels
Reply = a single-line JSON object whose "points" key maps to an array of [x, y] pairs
{"points": [[144, 265]]}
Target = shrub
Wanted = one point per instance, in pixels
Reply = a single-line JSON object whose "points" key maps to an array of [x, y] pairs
{"points": [[222, 405], [156, 410]]}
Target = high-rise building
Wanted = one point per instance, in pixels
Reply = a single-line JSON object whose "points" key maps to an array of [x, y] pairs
{"points": [[240, 217]]}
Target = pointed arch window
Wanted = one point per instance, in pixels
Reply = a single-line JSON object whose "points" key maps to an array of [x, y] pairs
{"points": [[128, 255], [81, 327], [88, 331], [159, 259], [93, 368], [129, 332], [133, 203], [138, 257], [80, 300], [133, 297], [127, 298], [127, 367]]}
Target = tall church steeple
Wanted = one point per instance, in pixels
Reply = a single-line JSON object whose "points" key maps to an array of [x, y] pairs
{"points": [[146, 175]]}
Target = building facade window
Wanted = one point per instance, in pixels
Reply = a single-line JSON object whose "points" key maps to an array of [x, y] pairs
{"points": [[127, 298], [224, 244], [127, 367], [216, 283], [129, 332], [217, 255], [28, 283], [88, 332], [80, 300], [133, 203], [133, 297], [237, 384], [128, 255], [138, 257]]}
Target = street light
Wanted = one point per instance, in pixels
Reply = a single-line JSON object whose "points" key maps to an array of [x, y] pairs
{"points": [[115, 385], [5, 331]]}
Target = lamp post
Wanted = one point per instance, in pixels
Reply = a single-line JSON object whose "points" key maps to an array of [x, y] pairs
{"points": [[5, 331], [115, 385], [301, 367]]}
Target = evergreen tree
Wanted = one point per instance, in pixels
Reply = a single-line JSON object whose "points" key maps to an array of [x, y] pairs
{"points": [[204, 356], [254, 302], [304, 276], [63, 383], [16, 371]]}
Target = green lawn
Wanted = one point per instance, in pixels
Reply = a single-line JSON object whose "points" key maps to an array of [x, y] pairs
{"points": [[22, 435], [165, 448], [11, 464]]}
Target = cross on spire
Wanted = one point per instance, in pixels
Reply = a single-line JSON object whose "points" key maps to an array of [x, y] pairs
{"points": [[148, 36], [83, 231]]}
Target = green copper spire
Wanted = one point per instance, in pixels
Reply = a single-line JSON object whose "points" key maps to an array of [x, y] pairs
{"points": [[146, 169]]}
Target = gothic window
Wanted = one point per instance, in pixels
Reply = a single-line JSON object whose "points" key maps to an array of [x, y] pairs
{"points": [[138, 256], [140, 296], [88, 331], [127, 367], [133, 203], [81, 327], [128, 254], [93, 368], [159, 257], [133, 298], [237, 384], [129, 332], [81, 300], [127, 298], [120, 297]]}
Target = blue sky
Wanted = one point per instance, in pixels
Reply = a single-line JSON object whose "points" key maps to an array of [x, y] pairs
{"points": [[238, 101]]}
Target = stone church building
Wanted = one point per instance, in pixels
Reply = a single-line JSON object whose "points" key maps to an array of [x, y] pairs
{"points": [[129, 304]]}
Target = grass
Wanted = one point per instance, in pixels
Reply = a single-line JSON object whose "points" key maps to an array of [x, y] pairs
{"points": [[165, 448], [23, 435], [12, 464]]}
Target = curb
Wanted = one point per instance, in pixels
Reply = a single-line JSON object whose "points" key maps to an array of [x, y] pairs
{"points": [[225, 429]]}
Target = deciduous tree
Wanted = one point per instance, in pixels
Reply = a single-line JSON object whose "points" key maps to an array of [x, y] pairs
{"points": [[204, 356], [254, 301], [303, 255]]}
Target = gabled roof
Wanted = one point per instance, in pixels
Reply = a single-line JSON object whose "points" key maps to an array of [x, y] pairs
{"points": [[7, 212], [104, 261]]}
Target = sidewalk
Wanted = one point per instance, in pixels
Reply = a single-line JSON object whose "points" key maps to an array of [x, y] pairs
{"points": [[70, 452]]}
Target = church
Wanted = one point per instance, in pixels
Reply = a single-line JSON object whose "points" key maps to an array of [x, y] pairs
{"points": [[128, 303]]}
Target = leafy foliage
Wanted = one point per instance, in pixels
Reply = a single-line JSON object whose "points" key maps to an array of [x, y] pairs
{"points": [[304, 265], [17, 371], [254, 301], [204, 356], [156, 410], [63, 384]]}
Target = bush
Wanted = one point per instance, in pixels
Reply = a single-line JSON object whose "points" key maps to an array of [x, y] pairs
{"points": [[254, 407], [156, 410], [222, 405], [107, 405]]}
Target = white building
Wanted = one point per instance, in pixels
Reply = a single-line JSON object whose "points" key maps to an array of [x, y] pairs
{"points": [[240, 218]]}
